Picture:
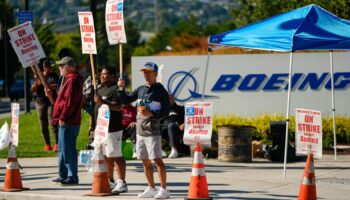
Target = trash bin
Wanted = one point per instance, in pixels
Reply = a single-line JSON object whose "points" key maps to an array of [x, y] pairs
{"points": [[235, 143]]}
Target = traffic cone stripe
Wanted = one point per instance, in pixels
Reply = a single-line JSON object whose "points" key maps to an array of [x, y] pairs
{"points": [[311, 169], [307, 181], [198, 172], [198, 158], [12, 165], [198, 165]]}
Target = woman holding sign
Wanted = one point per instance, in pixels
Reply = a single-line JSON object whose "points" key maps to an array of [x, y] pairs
{"points": [[43, 105]]}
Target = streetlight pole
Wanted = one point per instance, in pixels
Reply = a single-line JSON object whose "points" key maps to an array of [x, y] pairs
{"points": [[4, 28], [26, 75]]}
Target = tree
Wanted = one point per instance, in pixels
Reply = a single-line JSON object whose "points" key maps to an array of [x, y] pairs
{"points": [[249, 11]]}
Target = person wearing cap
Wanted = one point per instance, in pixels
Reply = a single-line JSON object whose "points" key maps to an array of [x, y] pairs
{"points": [[152, 105], [43, 104], [67, 114], [112, 148]]}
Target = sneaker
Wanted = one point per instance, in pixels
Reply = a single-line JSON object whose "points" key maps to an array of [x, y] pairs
{"points": [[162, 194], [58, 180], [70, 181], [163, 154], [173, 154], [112, 184], [55, 148], [47, 147], [120, 187], [148, 193]]}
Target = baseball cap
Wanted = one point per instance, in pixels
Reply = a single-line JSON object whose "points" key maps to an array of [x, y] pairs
{"points": [[150, 66], [66, 61], [48, 62]]}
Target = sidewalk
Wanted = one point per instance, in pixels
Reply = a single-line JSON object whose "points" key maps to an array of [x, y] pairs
{"points": [[259, 180]]}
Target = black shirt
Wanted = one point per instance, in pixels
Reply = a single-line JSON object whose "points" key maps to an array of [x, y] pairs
{"points": [[52, 78], [109, 93]]}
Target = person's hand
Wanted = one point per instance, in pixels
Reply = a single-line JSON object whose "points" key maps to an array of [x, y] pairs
{"points": [[182, 127], [61, 123], [132, 125], [121, 83], [145, 112], [48, 92], [98, 99]]}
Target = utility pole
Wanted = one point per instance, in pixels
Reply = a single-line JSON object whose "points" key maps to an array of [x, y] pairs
{"points": [[4, 34], [27, 95], [156, 16]]}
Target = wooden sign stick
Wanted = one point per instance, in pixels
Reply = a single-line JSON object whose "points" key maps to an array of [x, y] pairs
{"points": [[42, 79]]}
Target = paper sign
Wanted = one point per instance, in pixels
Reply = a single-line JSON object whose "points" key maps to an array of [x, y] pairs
{"points": [[308, 132], [14, 123], [115, 22], [26, 44], [198, 122], [102, 124], [87, 31]]}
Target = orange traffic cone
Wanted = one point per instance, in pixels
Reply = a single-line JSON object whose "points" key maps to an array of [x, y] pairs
{"points": [[100, 184], [198, 185], [308, 186], [13, 181]]}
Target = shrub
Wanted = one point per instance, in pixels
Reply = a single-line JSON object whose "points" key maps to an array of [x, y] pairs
{"points": [[262, 124]]}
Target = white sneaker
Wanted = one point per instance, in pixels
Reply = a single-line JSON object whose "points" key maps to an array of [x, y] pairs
{"points": [[148, 193], [163, 154], [112, 184], [120, 187], [173, 154], [162, 194]]}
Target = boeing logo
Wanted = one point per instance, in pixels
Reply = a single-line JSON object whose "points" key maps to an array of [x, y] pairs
{"points": [[182, 80]]}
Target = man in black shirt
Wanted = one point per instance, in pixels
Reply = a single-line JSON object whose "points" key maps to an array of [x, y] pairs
{"points": [[43, 105], [106, 94]]}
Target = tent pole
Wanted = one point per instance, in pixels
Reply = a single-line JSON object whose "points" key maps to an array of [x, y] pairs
{"points": [[333, 105], [206, 72], [287, 114]]}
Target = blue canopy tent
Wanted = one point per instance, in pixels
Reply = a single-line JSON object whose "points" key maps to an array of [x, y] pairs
{"points": [[307, 28]]}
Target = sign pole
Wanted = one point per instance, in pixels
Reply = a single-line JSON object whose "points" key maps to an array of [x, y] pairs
{"points": [[93, 72], [120, 61], [43, 82]]}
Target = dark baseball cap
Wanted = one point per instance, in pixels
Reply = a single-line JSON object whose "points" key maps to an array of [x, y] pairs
{"points": [[66, 61], [150, 66]]}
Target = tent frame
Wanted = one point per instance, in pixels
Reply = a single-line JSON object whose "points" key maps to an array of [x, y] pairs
{"points": [[290, 73]]}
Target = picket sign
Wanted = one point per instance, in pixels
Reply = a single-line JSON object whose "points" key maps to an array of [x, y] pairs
{"points": [[88, 39], [14, 123], [26, 44], [308, 132], [198, 123], [28, 48], [102, 124], [114, 19]]}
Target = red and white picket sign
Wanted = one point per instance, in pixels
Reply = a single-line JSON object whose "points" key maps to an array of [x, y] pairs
{"points": [[115, 22], [87, 30], [308, 132], [14, 123], [102, 124], [26, 44], [198, 123]]}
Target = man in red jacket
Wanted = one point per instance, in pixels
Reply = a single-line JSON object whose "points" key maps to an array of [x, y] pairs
{"points": [[67, 114]]}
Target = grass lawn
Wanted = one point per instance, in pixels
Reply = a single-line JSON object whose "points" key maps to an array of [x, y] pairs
{"points": [[31, 141]]}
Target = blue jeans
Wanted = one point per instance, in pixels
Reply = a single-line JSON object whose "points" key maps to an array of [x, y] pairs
{"points": [[67, 151]]}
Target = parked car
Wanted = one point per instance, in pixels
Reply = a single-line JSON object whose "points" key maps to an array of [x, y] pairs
{"points": [[17, 90]]}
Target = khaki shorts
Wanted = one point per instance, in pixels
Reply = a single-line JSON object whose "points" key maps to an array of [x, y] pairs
{"points": [[112, 148], [148, 147]]}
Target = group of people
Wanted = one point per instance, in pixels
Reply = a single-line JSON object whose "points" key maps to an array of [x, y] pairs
{"points": [[155, 112]]}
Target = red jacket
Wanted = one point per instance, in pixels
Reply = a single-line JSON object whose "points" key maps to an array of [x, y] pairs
{"points": [[69, 100]]}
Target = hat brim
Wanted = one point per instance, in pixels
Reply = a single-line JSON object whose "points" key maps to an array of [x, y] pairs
{"points": [[146, 69]]}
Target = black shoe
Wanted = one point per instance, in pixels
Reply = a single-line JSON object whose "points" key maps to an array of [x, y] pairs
{"points": [[58, 180], [70, 181]]}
